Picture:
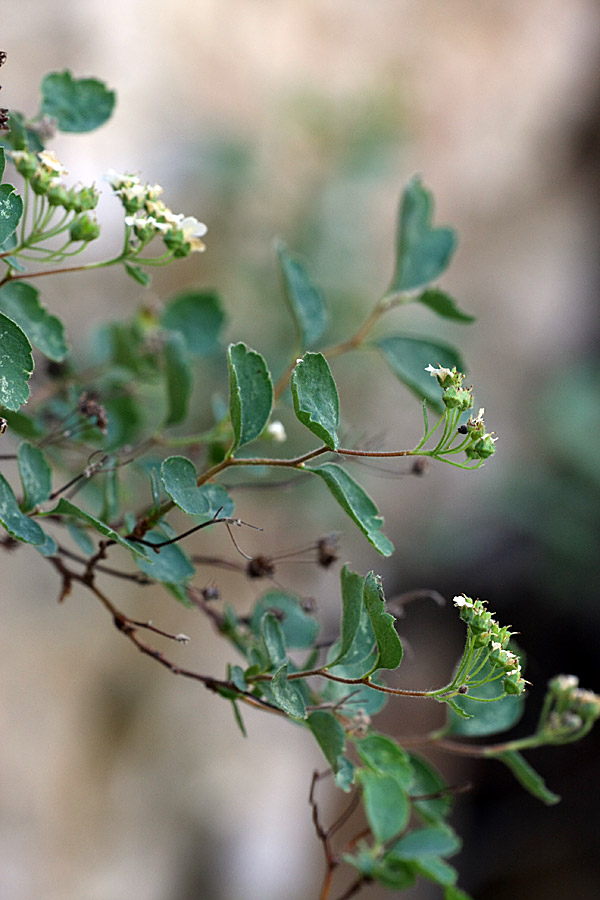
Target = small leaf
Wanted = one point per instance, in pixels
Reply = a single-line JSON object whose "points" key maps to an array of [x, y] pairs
{"points": [[487, 718], [137, 273], [36, 476], [344, 777], [427, 782], [250, 394], [274, 640], [77, 104], [123, 412], [21, 303], [299, 628], [436, 870], [66, 508], [48, 548], [439, 840], [11, 210], [422, 252], [16, 523], [287, 695], [179, 378], [388, 642], [199, 317], [386, 804], [356, 503], [81, 538], [315, 397], [238, 718], [236, 675], [171, 565], [526, 776], [383, 755], [16, 364], [408, 357], [329, 734], [178, 475], [352, 585], [306, 303], [444, 305], [23, 425]]}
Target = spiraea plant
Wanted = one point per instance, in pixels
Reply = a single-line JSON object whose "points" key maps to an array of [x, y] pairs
{"points": [[100, 468]]}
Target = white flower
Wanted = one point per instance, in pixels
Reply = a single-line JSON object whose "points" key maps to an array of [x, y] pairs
{"points": [[193, 230], [461, 601], [118, 180], [51, 163], [440, 372], [276, 432]]}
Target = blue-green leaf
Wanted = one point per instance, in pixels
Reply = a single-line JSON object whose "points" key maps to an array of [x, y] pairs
{"points": [[287, 695], [11, 210], [21, 303], [179, 378], [386, 804], [77, 104], [250, 394], [408, 357], [438, 840], [443, 305], [36, 476], [299, 628], [64, 507], [383, 755], [178, 475], [16, 523], [274, 639], [527, 776], [16, 364], [330, 736], [315, 395], [487, 717], [305, 301], [355, 501], [352, 585], [388, 642], [171, 565], [422, 252], [199, 317], [427, 783]]}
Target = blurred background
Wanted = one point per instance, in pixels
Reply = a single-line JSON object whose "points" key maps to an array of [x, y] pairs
{"points": [[303, 119]]}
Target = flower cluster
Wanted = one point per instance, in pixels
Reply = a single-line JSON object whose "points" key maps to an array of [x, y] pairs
{"points": [[488, 635], [148, 217], [478, 444], [569, 708], [43, 171]]}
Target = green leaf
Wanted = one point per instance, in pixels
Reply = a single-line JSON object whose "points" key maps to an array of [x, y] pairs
{"points": [[238, 718], [356, 503], [77, 104], [11, 210], [487, 718], [66, 508], [23, 425], [48, 548], [137, 273], [394, 874], [306, 303], [179, 378], [171, 565], [388, 642], [352, 585], [408, 357], [382, 754], [199, 317], [236, 675], [444, 305], [287, 695], [16, 364], [16, 523], [2, 162], [250, 394], [21, 303], [436, 870], [427, 782], [526, 776], [81, 538], [272, 635], [344, 777], [386, 804], [451, 892], [123, 411], [329, 734], [315, 397], [178, 475], [439, 840], [299, 628], [36, 476], [422, 252]]}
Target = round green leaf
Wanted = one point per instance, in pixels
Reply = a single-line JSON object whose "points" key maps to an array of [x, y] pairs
{"points": [[77, 104], [21, 303], [329, 734], [250, 394], [382, 754], [178, 475], [170, 565], [287, 695], [316, 398], [199, 317], [11, 210], [299, 629], [16, 364], [16, 523], [386, 804]]}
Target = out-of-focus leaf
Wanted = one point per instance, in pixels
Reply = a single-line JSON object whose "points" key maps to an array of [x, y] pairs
{"points": [[305, 301], [199, 317], [330, 735], [443, 305], [386, 804], [299, 628], [408, 357], [527, 776], [77, 104], [21, 303], [179, 378]]}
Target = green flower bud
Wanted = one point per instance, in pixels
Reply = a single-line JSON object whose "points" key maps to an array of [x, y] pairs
{"points": [[514, 683], [84, 228], [86, 198], [57, 195], [25, 163], [457, 398], [41, 181]]}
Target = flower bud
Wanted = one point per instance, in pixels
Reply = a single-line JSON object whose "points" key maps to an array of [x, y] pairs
{"points": [[84, 228], [457, 398]]}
